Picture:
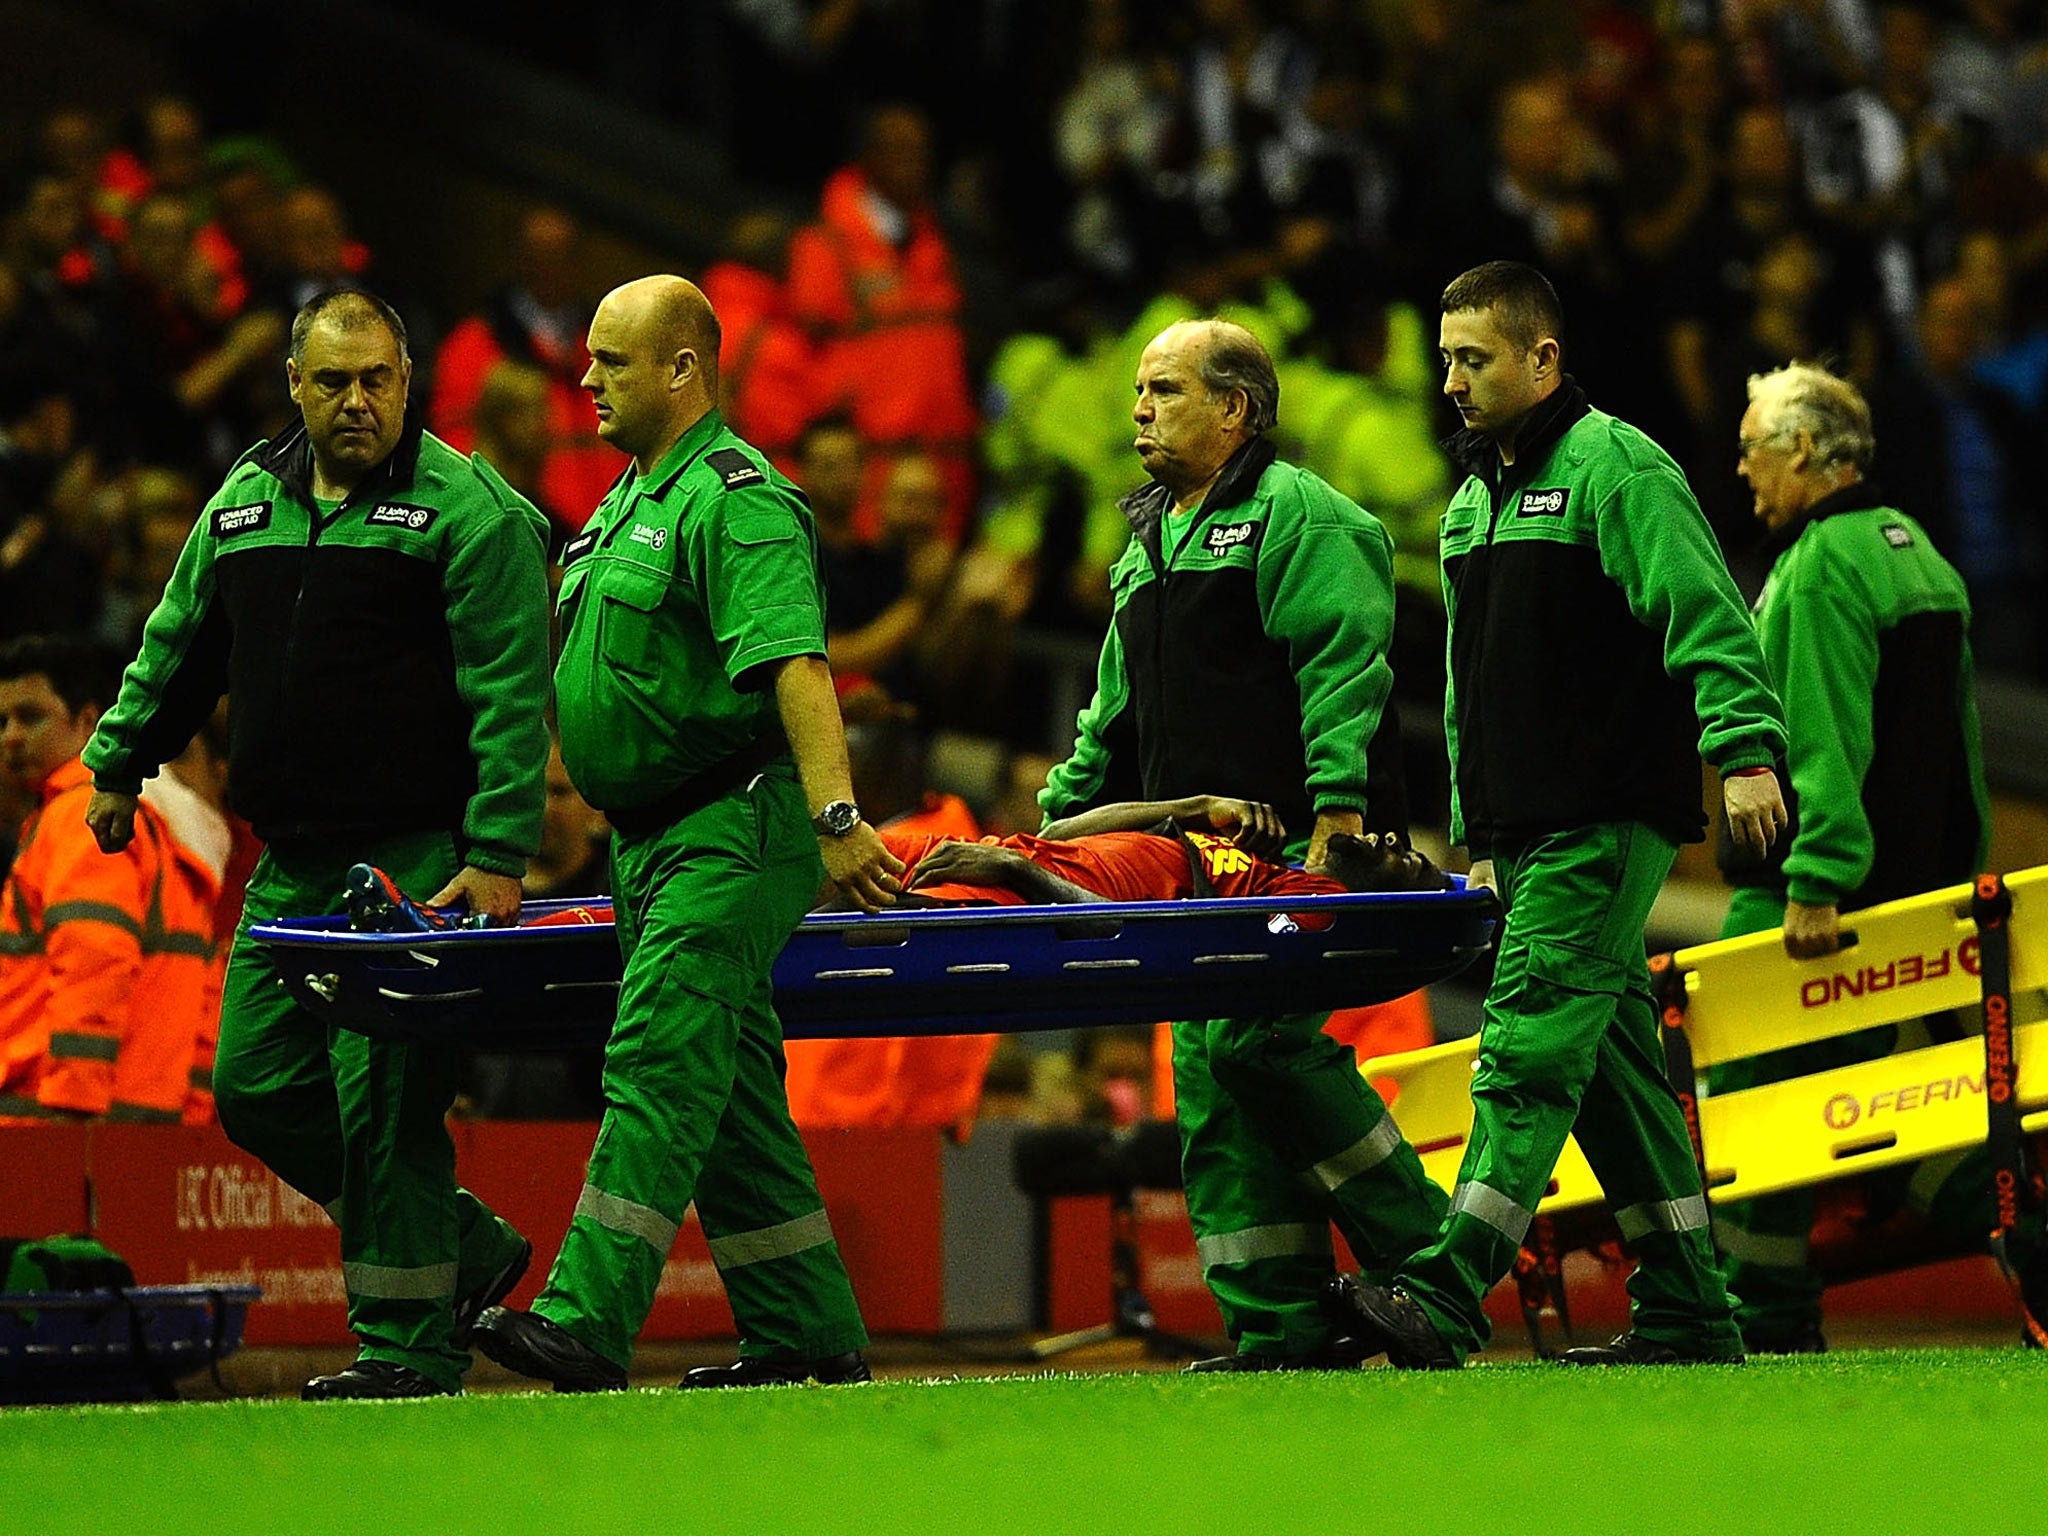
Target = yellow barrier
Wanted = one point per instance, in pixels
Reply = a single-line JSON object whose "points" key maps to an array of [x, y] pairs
{"points": [[1746, 996], [1433, 1107]]}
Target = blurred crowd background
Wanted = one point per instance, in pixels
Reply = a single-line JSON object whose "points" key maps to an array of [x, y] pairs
{"points": [[939, 232]]}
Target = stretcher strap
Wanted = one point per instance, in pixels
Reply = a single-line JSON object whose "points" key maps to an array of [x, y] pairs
{"points": [[1667, 984], [1991, 907], [1539, 1281]]}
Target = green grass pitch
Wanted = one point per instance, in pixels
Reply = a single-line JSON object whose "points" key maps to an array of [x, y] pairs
{"points": [[1866, 1442]]}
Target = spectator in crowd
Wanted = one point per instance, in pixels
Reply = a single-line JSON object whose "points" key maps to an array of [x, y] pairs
{"points": [[194, 376], [513, 435], [2012, 354], [537, 317], [870, 609], [767, 370], [105, 964], [1552, 204], [1252, 581], [1866, 627], [908, 564], [1109, 131], [1959, 448], [244, 243], [321, 253], [420, 621], [161, 505], [873, 281], [191, 793], [168, 157], [1625, 623], [49, 578]]}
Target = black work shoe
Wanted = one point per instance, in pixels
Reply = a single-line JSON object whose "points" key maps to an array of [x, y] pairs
{"points": [[1330, 1359], [831, 1371], [528, 1343], [373, 1379], [494, 1290], [1807, 1339], [1380, 1317], [1632, 1348]]}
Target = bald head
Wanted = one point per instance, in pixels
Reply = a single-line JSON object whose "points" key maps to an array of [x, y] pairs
{"points": [[653, 364]]}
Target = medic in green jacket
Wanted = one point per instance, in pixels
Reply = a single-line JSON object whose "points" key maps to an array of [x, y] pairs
{"points": [[1258, 626], [1866, 628], [1592, 622], [679, 606], [385, 655]]}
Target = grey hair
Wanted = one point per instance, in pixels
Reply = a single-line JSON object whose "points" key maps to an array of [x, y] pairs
{"points": [[352, 308], [1805, 397], [1236, 359]]}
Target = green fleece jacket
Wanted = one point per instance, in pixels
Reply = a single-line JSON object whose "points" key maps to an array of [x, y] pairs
{"points": [[386, 660]]}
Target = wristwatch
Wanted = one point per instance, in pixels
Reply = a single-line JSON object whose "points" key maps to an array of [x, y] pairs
{"points": [[837, 819]]}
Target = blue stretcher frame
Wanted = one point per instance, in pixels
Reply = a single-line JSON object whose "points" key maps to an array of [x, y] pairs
{"points": [[936, 971], [109, 1346]]}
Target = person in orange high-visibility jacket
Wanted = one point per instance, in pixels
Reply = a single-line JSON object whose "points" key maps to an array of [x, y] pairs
{"points": [[768, 387], [873, 282], [183, 975], [103, 960]]}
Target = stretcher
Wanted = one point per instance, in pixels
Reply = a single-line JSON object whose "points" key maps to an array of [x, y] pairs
{"points": [[1738, 998], [937, 971], [126, 1345]]}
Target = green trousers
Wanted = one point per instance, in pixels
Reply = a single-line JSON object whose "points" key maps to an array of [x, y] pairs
{"points": [[1569, 1045], [693, 1080], [1766, 1240], [1280, 1136], [358, 1125]]}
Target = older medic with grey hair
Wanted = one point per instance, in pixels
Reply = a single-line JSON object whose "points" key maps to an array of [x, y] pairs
{"points": [[1248, 650], [1866, 629]]}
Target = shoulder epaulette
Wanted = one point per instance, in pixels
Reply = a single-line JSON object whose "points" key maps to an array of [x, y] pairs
{"points": [[735, 469]]}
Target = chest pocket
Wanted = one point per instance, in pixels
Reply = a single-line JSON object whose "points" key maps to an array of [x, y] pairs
{"points": [[629, 618]]}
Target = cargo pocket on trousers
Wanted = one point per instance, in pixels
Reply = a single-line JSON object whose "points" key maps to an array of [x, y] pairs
{"points": [[1544, 1031]]}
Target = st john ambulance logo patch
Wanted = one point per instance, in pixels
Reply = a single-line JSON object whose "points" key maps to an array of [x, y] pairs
{"points": [[1898, 536], [1229, 537], [394, 514], [229, 521], [1544, 503]]}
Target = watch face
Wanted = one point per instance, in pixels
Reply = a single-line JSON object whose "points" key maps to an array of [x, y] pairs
{"points": [[838, 818]]}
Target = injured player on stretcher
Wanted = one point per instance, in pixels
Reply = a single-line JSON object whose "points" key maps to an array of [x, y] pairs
{"points": [[1202, 846]]}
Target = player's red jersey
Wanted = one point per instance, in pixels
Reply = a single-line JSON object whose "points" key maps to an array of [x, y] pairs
{"points": [[1123, 866]]}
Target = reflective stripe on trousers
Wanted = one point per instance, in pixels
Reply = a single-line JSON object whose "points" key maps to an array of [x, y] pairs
{"points": [[1362, 1156], [429, 1282], [643, 1222], [1760, 1248], [1686, 1214], [1286, 1240], [1489, 1205], [777, 1242]]}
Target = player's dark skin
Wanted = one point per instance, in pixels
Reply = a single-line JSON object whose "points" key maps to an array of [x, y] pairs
{"points": [[1373, 862]]}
